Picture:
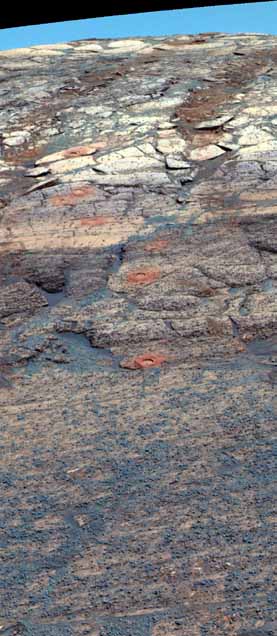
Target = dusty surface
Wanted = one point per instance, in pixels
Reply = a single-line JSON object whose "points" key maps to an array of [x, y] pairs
{"points": [[138, 352]]}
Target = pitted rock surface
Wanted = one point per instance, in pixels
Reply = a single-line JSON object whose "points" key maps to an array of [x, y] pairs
{"points": [[138, 349]]}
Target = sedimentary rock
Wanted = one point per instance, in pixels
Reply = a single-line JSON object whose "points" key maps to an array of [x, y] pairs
{"points": [[138, 350]]}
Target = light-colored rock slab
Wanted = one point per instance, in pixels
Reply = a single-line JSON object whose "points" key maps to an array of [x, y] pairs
{"points": [[207, 152], [76, 151], [126, 45], [213, 123], [171, 144], [176, 163]]}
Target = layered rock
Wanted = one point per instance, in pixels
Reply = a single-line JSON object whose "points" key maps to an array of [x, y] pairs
{"points": [[138, 351]]}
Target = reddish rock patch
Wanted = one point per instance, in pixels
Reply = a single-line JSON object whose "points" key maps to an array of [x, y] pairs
{"points": [[205, 104], [76, 195], [145, 361], [79, 151], [156, 246], [18, 155], [97, 220], [143, 276]]}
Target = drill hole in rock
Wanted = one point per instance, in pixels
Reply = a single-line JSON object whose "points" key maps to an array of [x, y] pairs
{"points": [[143, 276]]}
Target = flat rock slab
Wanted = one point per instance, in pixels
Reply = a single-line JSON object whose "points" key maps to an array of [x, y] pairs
{"points": [[207, 152], [138, 346]]}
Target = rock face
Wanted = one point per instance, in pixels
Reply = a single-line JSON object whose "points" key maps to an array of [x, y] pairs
{"points": [[138, 352]]}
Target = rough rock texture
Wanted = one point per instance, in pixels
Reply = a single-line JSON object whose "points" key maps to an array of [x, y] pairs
{"points": [[138, 350]]}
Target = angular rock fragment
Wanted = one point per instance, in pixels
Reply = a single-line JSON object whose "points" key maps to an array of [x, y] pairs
{"points": [[174, 162], [253, 135], [46, 183], [16, 138], [207, 152], [171, 144], [38, 172], [70, 153], [214, 123]]}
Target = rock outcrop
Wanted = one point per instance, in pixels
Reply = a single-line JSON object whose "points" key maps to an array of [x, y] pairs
{"points": [[138, 349]]}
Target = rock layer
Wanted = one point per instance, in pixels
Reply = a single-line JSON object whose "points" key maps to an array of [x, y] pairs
{"points": [[138, 351]]}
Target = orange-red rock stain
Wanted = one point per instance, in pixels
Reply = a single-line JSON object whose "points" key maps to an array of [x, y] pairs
{"points": [[143, 276], [97, 220], [17, 156], [72, 197], [79, 151], [145, 361]]}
